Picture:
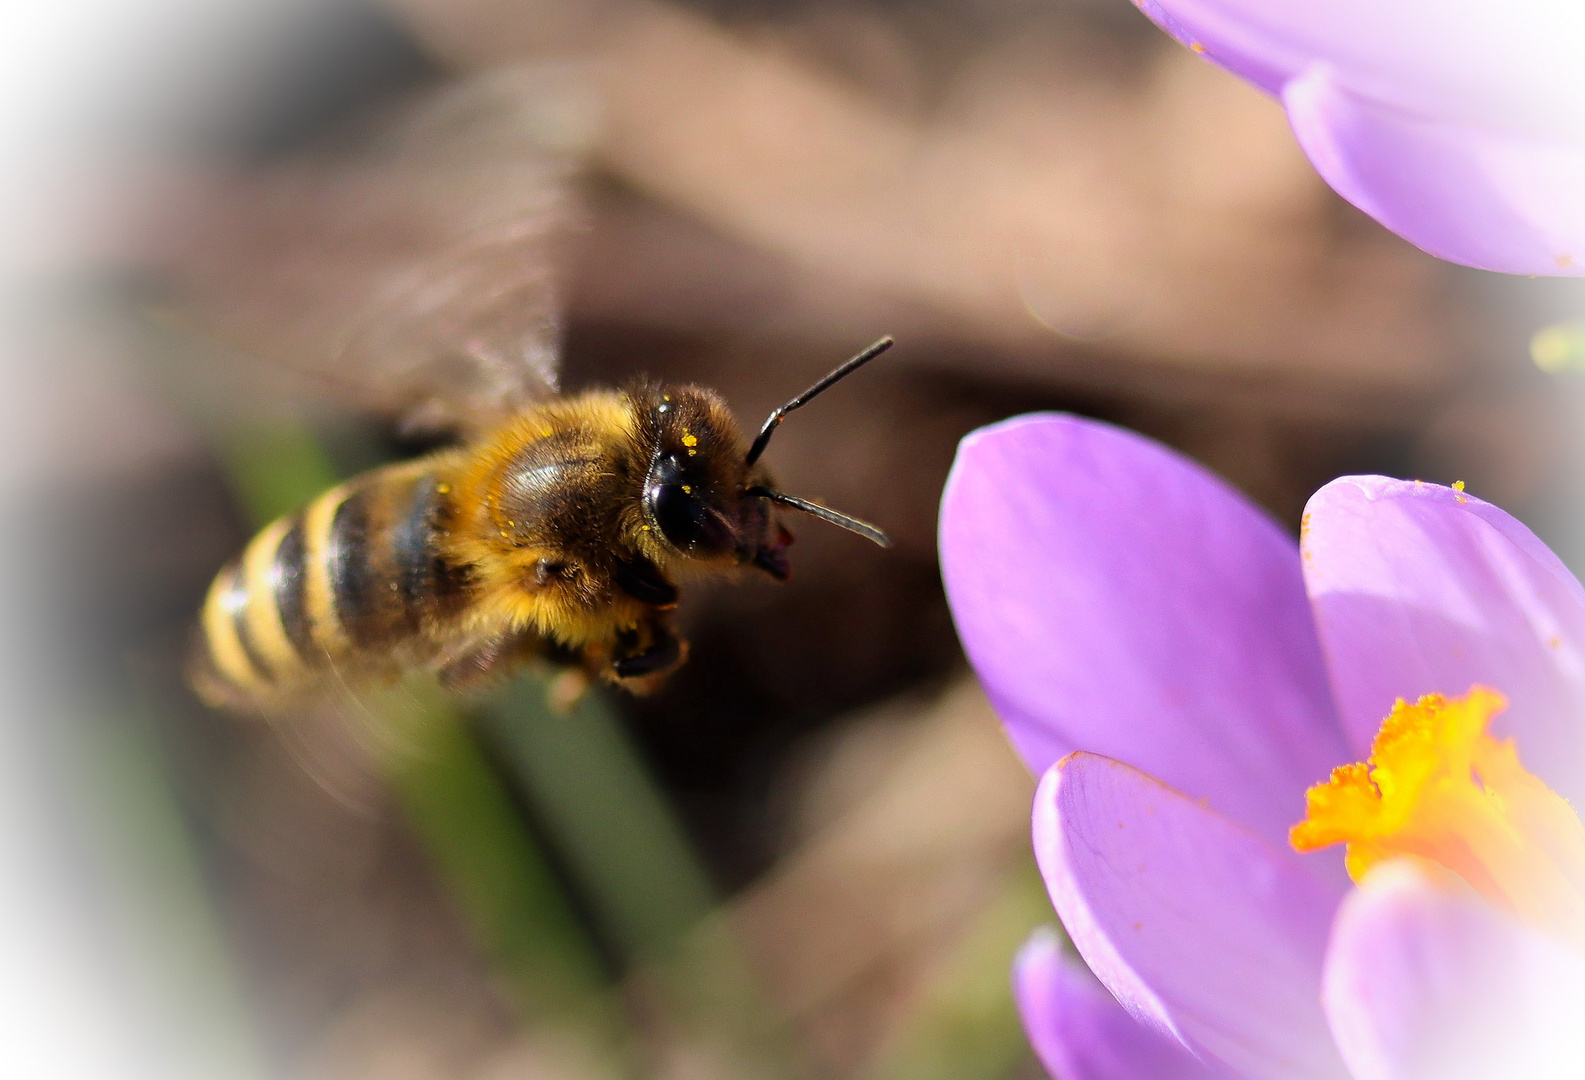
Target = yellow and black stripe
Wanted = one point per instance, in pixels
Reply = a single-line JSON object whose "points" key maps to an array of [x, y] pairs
{"points": [[350, 581]]}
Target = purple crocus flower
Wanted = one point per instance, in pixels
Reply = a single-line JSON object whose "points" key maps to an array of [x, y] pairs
{"points": [[1457, 124], [1180, 672]]}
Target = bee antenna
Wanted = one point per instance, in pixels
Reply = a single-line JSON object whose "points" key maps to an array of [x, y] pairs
{"points": [[824, 513], [762, 440]]}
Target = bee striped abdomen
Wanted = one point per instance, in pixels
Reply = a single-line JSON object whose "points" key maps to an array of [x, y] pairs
{"points": [[353, 581], [432, 590], [290, 586], [357, 599]]}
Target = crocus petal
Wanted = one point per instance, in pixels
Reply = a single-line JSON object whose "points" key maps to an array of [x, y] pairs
{"points": [[1245, 50], [1423, 982], [1198, 927], [1420, 589], [1482, 197], [1080, 1032], [1116, 597], [1511, 64], [1460, 126]]}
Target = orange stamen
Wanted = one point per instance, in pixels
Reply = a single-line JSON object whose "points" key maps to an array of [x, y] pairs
{"points": [[1438, 787]]}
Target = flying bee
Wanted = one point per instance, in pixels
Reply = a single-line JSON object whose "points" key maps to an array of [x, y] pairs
{"points": [[562, 534], [412, 268]]}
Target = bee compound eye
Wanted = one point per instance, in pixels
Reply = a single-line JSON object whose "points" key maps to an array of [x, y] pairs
{"points": [[686, 521]]}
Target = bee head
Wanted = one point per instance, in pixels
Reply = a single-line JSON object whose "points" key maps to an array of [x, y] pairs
{"points": [[706, 494], [695, 490]]}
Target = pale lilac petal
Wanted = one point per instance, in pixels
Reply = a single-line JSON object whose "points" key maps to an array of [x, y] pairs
{"points": [[1197, 926], [1483, 197], [1116, 597], [1422, 982], [1511, 64], [1253, 56], [1420, 589], [1460, 126], [1078, 1030]]}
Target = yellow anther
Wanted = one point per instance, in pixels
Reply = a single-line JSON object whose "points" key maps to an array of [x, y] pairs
{"points": [[1438, 787]]}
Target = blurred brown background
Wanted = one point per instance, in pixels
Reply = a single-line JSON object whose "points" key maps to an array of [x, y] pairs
{"points": [[1050, 205]]}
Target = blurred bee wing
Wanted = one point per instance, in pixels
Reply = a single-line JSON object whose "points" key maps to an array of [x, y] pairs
{"points": [[411, 268], [351, 742]]}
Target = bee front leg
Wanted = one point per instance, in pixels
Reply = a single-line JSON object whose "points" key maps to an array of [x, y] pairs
{"points": [[660, 657], [643, 581], [644, 656]]}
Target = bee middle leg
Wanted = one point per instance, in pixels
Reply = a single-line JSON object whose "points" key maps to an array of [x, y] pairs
{"points": [[495, 658], [489, 661]]}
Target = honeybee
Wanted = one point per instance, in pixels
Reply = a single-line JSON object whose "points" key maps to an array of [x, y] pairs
{"points": [[561, 535], [412, 266]]}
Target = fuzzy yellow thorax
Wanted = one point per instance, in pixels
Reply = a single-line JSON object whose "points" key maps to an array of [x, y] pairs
{"points": [[1439, 787]]}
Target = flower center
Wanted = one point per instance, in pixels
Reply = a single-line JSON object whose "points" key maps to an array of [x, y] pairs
{"points": [[1438, 787]]}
